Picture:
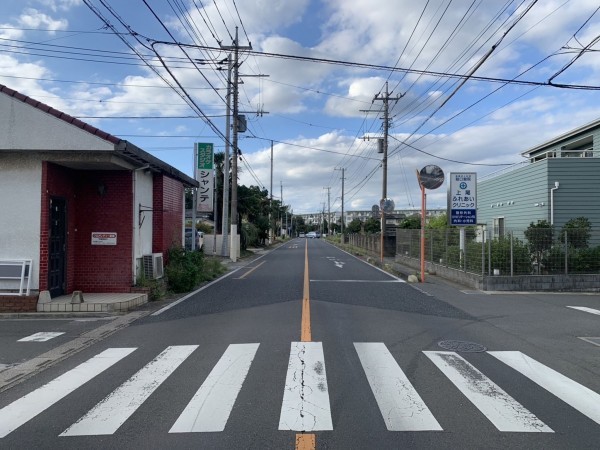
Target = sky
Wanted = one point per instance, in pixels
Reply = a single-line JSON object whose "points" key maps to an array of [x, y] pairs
{"points": [[470, 84]]}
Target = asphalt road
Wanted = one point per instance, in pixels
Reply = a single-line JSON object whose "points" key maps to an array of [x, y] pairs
{"points": [[379, 364]]}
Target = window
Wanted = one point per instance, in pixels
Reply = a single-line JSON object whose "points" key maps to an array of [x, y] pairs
{"points": [[582, 148], [499, 227]]}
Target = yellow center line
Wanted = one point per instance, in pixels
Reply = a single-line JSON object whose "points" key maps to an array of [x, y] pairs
{"points": [[250, 271], [305, 441], [305, 335]]}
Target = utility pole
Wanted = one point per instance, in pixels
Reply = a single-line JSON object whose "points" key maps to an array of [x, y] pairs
{"points": [[342, 223], [225, 224], [328, 209], [386, 125], [271, 199], [234, 210], [281, 196]]}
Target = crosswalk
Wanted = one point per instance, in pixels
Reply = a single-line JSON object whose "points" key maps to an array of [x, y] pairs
{"points": [[306, 401]]}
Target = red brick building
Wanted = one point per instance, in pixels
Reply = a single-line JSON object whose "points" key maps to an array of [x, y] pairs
{"points": [[91, 211]]}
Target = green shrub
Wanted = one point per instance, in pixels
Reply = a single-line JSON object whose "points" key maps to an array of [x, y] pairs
{"points": [[156, 288], [212, 269], [184, 270]]}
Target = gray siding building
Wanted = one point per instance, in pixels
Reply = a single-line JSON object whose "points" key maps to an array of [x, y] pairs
{"points": [[559, 181]]}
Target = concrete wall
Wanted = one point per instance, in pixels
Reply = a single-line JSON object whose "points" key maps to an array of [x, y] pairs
{"points": [[571, 283], [20, 188], [209, 240], [549, 283]]}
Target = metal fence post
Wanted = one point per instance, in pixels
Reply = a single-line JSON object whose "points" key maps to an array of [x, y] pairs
{"points": [[446, 248], [512, 265], [489, 252], [566, 254], [431, 246], [482, 252]]}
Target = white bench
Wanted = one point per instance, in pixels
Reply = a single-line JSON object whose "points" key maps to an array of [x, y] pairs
{"points": [[19, 270]]}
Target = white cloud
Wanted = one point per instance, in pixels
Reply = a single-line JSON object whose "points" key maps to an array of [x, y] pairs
{"points": [[32, 18], [60, 5]]}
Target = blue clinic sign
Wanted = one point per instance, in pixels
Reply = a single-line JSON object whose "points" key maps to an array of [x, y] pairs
{"points": [[462, 199]]}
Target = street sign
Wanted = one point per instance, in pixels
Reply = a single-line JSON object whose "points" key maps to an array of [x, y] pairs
{"points": [[462, 199]]}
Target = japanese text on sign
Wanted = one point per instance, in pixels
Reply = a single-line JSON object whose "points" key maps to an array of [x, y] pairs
{"points": [[205, 177], [462, 199], [205, 156]]}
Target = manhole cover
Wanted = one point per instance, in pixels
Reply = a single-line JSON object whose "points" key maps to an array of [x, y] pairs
{"points": [[462, 346]]}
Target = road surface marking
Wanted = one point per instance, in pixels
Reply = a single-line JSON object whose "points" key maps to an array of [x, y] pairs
{"points": [[305, 331], [368, 264], [250, 271], [108, 415], [357, 281], [500, 408], [191, 294], [578, 396], [42, 336], [29, 406], [591, 340], [305, 442], [211, 406], [401, 406], [305, 404], [584, 309]]}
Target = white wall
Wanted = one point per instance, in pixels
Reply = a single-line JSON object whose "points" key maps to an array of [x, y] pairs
{"points": [[49, 132], [142, 235], [20, 212], [209, 242]]}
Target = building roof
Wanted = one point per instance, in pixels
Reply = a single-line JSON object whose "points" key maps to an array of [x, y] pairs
{"points": [[123, 148], [569, 134]]}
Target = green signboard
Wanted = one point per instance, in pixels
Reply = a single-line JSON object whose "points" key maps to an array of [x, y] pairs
{"points": [[205, 156]]}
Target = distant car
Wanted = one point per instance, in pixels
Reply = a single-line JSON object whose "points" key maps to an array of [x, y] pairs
{"points": [[312, 235], [302, 235]]}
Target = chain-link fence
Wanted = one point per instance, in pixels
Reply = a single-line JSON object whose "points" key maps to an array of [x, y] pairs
{"points": [[535, 251]]}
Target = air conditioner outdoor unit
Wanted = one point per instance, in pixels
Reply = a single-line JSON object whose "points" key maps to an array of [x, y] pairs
{"points": [[153, 265]]}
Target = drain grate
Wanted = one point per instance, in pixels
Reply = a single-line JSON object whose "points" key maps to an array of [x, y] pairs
{"points": [[462, 346]]}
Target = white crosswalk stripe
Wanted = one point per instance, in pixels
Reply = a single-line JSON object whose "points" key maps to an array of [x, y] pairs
{"points": [[500, 408], [305, 404], [586, 309], [210, 407], [579, 397], [42, 336], [401, 406], [108, 415], [29, 406]]}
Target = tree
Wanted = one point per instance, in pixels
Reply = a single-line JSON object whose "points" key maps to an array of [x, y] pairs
{"points": [[253, 208], [411, 223], [539, 237], [578, 232], [372, 225], [440, 221], [354, 226]]}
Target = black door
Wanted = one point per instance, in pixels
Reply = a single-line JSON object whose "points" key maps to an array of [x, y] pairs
{"points": [[57, 246]]}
